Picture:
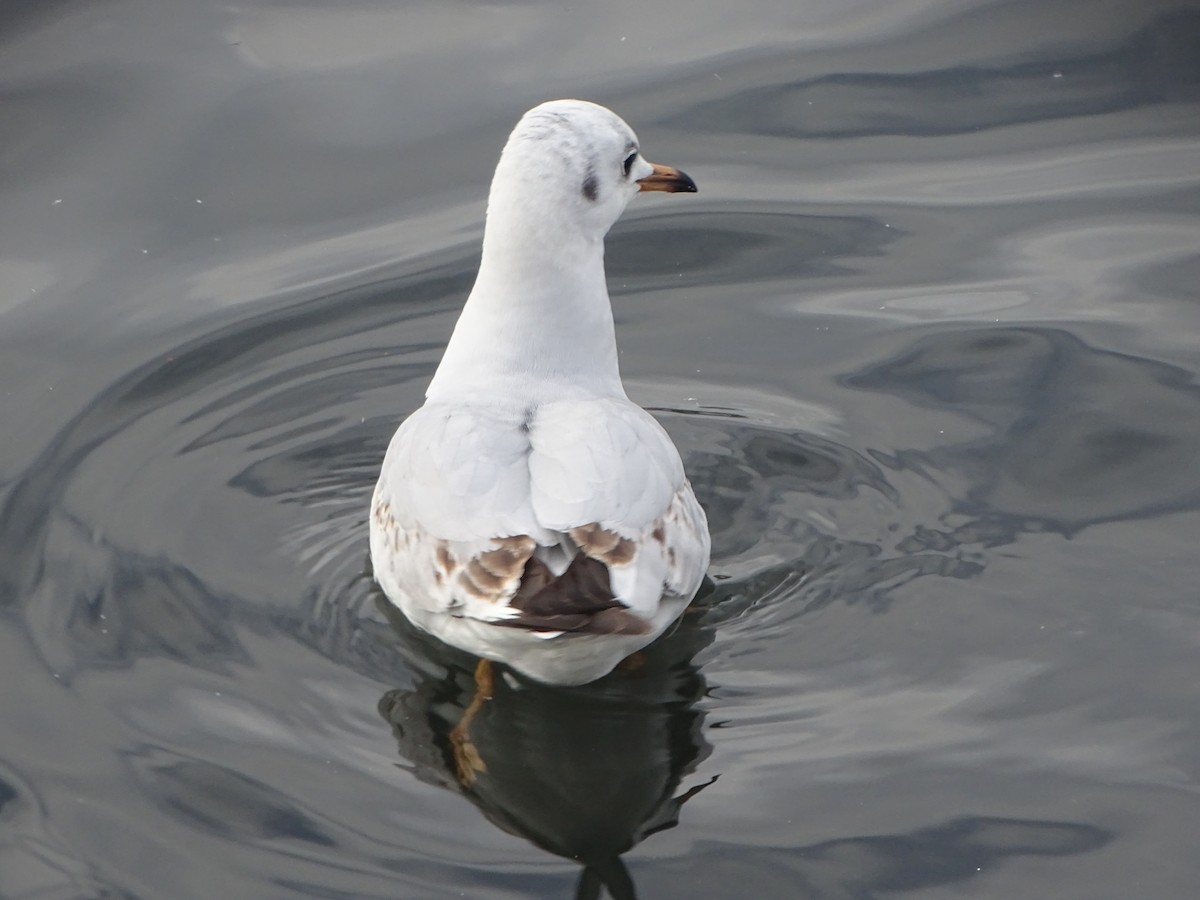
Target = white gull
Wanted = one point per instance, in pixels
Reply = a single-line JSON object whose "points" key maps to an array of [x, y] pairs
{"points": [[529, 512]]}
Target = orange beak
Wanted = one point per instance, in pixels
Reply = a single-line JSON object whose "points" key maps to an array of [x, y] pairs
{"points": [[667, 178]]}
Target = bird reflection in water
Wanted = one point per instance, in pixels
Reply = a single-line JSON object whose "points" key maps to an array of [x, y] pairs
{"points": [[585, 773]]}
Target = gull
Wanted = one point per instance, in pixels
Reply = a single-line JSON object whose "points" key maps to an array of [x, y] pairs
{"points": [[529, 513]]}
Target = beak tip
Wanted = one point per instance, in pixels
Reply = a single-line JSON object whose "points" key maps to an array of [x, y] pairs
{"points": [[668, 179]]}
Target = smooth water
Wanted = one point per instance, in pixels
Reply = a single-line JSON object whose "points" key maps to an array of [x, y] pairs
{"points": [[928, 339]]}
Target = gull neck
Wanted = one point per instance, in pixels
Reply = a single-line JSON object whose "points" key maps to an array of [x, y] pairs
{"points": [[538, 323]]}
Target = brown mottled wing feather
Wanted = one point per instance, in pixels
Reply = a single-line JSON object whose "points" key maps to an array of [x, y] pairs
{"points": [[604, 545]]}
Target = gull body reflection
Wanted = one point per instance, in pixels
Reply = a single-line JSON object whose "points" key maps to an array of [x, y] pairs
{"points": [[584, 773]]}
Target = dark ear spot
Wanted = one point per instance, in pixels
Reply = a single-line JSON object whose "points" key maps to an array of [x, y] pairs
{"points": [[590, 186]]}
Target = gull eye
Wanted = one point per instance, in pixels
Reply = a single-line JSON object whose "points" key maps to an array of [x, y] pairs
{"points": [[629, 161]]}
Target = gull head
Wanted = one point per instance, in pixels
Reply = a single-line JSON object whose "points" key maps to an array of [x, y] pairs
{"points": [[572, 166]]}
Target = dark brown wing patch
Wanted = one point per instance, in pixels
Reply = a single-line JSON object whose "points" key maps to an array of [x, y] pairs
{"points": [[582, 589], [579, 600]]}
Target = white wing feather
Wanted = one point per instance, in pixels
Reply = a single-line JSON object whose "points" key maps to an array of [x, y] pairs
{"points": [[604, 461], [459, 479]]}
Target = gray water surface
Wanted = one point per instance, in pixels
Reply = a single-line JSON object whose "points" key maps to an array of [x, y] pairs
{"points": [[928, 339]]}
